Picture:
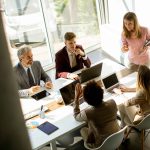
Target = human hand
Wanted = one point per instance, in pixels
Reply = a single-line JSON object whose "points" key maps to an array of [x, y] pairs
{"points": [[48, 85], [117, 91], [34, 89], [78, 51], [123, 88], [78, 91], [73, 76], [125, 48]]}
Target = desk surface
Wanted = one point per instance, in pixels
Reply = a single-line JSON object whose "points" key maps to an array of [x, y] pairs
{"points": [[63, 117]]}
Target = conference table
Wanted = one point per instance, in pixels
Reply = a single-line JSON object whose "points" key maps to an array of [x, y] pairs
{"points": [[63, 116]]}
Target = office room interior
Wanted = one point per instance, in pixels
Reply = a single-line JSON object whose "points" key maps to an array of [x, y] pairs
{"points": [[42, 24]]}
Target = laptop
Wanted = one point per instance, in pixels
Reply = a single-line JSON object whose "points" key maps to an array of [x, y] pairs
{"points": [[68, 93], [110, 82], [91, 73]]}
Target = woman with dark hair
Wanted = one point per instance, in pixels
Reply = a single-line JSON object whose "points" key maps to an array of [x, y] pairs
{"points": [[133, 39], [136, 108], [100, 116]]}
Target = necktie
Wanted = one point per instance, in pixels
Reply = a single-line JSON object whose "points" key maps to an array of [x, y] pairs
{"points": [[73, 60], [31, 81]]}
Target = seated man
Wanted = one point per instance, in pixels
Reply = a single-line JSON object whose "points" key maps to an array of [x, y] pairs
{"points": [[70, 58], [29, 73]]}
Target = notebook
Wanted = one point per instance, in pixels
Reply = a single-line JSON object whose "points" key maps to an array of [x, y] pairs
{"points": [[110, 82], [91, 73], [47, 127], [68, 92]]}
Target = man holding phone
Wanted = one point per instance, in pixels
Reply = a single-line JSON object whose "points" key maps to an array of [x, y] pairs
{"points": [[70, 58], [29, 73]]}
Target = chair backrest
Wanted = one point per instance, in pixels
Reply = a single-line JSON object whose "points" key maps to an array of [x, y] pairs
{"points": [[112, 142], [144, 124]]}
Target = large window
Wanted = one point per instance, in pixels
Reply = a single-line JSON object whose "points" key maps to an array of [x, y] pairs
{"points": [[25, 25], [43, 23]]}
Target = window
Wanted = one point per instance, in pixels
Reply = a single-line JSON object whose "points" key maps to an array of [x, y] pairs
{"points": [[43, 23]]}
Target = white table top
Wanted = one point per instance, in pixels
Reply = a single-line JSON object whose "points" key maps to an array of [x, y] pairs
{"points": [[63, 117]]}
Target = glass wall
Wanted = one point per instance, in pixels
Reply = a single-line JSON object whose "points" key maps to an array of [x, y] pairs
{"points": [[25, 25], [43, 23]]}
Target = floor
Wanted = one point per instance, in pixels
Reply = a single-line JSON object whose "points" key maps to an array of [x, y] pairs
{"points": [[133, 141]]}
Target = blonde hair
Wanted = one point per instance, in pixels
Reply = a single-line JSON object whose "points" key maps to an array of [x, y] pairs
{"points": [[143, 81], [131, 16]]}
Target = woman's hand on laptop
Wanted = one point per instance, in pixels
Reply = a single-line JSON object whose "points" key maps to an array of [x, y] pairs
{"points": [[48, 85], [124, 88]]}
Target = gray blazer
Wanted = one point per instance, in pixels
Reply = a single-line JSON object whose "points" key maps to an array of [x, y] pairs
{"points": [[22, 78]]}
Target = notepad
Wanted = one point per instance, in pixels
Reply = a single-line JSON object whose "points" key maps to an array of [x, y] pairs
{"points": [[47, 127]]}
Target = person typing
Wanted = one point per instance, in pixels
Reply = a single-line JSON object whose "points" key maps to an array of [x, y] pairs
{"points": [[29, 73]]}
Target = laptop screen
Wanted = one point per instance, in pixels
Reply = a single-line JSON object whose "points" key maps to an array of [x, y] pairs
{"points": [[91, 73], [68, 92], [110, 81]]}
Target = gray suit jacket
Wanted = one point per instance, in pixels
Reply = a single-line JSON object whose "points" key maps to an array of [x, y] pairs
{"points": [[22, 78]]}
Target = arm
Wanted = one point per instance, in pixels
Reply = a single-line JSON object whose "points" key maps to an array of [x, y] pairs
{"points": [[123, 88], [78, 115], [80, 51], [45, 78], [124, 47], [28, 92], [60, 65], [138, 99], [44, 75]]}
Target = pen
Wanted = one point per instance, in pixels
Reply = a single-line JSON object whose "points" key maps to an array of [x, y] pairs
{"points": [[41, 107]]}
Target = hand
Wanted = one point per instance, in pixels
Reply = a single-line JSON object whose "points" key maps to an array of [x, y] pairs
{"points": [[123, 88], [78, 51], [117, 91], [73, 76], [34, 89], [125, 48], [145, 48], [78, 91], [48, 85]]}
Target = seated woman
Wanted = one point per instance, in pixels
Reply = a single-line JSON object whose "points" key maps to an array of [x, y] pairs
{"points": [[136, 108], [101, 116]]}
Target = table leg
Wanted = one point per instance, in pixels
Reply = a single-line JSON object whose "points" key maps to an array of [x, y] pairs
{"points": [[53, 145]]}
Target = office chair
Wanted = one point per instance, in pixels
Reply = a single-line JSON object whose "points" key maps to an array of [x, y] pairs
{"points": [[142, 127], [112, 142]]}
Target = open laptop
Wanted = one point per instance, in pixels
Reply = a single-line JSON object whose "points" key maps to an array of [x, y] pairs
{"points": [[68, 93], [90, 73], [110, 82]]}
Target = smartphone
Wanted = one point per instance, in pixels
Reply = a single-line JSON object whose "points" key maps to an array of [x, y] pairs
{"points": [[47, 127], [40, 95]]}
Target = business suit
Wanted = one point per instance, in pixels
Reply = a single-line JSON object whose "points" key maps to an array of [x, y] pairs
{"points": [[102, 121], [63, 64], [22, 77]]}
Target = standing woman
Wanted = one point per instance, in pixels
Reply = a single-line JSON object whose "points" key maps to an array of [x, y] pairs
{"points": [[133, 39]]}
